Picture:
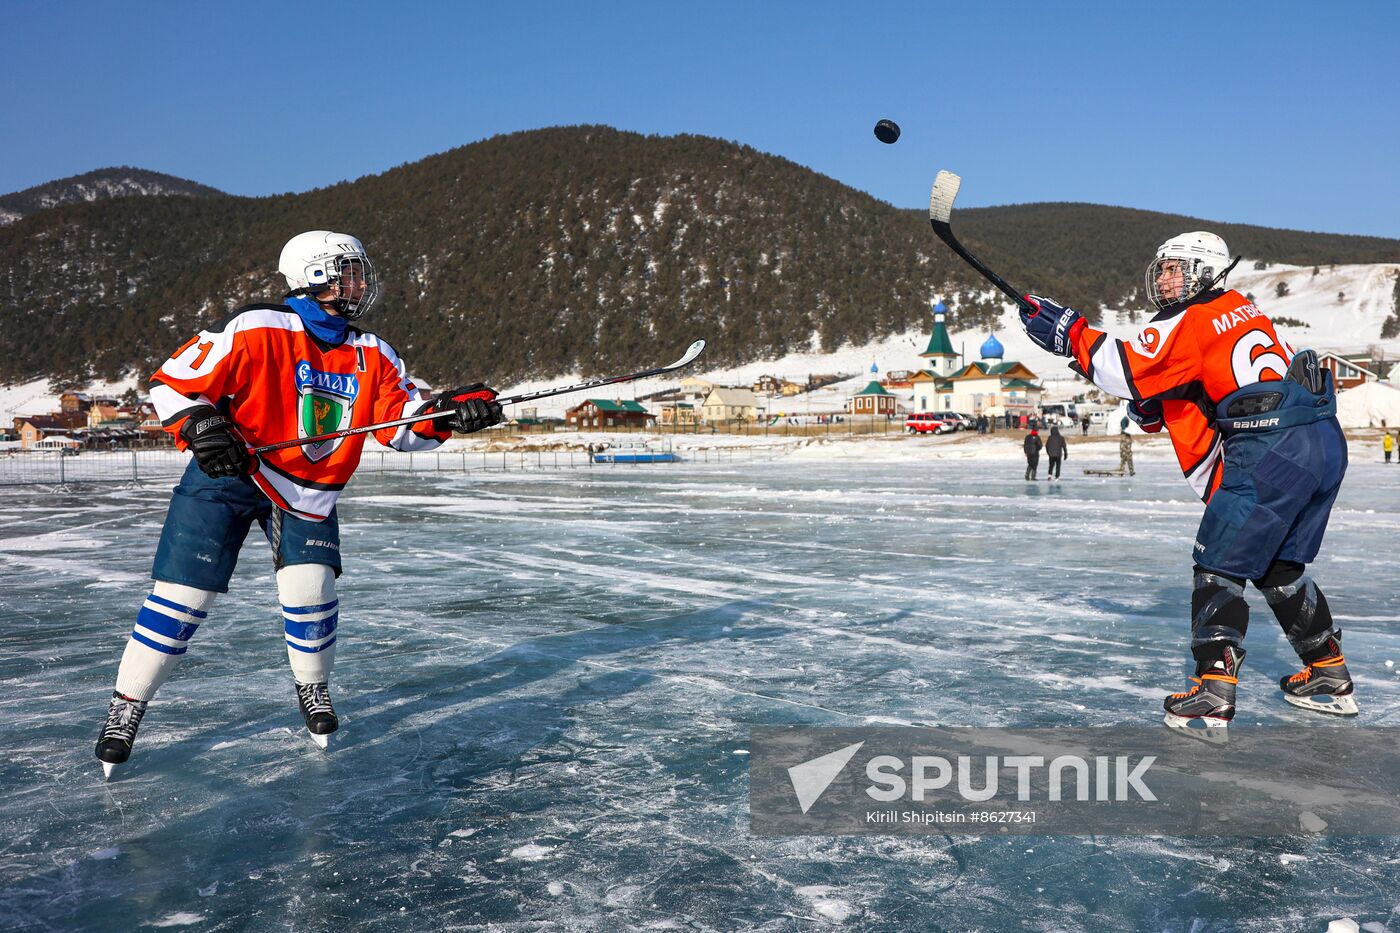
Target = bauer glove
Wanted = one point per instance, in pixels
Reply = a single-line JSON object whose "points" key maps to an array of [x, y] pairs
{"points": [[218, 450], [1147, 414], [1052, 327]]}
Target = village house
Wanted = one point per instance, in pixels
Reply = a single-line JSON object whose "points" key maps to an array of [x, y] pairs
{"points": [[31, 429], [679, 415], [101, 413], [694, 389], [776, 385], [605, 413], [873, 400], [725, 404], [1347, 371]]}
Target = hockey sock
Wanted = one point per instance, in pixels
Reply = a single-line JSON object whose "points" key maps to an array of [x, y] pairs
{"points": [[1219, 615], [164, 626], [1300, 608], [310, 613]]}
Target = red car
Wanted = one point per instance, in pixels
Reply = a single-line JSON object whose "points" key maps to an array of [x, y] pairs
{"points": [[931, 422]]}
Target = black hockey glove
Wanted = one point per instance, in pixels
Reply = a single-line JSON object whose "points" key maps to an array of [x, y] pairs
{"points": [[1147, 414], [475, 407], [216, 448]]}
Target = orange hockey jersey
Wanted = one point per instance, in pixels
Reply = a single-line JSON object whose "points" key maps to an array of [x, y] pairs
{"points": [[275, 382], [1189, 358]]}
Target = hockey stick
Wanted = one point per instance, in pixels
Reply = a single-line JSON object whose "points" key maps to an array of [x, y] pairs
{"points": [[940, 212], [686, 359]]}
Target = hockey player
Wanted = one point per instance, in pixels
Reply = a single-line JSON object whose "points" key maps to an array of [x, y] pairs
{"points": [[1255, 431], [273, 372]]}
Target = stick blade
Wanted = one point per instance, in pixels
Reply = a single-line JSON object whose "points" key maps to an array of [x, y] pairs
{"points": [[945, 192], [691, 353]]}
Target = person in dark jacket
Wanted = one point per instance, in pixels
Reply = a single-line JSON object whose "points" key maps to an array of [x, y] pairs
{"points": [[1084, 425], [1056, 449], [1032, 447]]}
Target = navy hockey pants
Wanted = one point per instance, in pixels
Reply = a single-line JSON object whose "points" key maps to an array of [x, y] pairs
{"points": [[1275, 497], [208, 520]]}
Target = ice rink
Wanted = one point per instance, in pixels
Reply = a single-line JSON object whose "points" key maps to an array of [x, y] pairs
{"points": [[546, 682]]}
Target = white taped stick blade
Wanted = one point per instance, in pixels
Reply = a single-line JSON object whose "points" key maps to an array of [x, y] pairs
{"points": [[945, 192], [695, 350]]}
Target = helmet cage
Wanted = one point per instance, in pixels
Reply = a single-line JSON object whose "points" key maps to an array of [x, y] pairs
{"points": [[352, 279], [1193, 274]]}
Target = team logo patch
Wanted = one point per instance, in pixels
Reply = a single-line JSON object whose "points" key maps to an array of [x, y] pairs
{"points": [[1149, 341], [325, 403]]}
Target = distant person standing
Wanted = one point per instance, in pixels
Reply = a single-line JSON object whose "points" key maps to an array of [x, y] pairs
{"points": [[1056, 449], [1084, 426], [1388, 445], [1032, 447], [1125, 450]]}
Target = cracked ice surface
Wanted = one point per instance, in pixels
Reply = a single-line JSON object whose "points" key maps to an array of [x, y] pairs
{"points": [[547, 680]]}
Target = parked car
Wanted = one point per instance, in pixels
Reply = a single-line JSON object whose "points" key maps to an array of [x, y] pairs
{"points": [[931, 422], [965, 422]]}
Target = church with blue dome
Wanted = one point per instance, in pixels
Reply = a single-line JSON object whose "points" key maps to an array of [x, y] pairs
{"points": [[990, 385]]}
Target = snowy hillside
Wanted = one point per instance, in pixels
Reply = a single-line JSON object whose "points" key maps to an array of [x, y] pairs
{"points": [[96, 186]]}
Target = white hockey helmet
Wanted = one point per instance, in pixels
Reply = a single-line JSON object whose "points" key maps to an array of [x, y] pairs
{"points": [[319, 260], [1202, 260]]}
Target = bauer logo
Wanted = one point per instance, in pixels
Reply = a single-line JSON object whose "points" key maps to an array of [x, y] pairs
{"points": [[1073, 781]]}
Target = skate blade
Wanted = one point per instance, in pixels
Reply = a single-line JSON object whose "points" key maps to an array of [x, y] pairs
{"points": [[1214, 731], [323, 741], [107, 769], [1325, 703]]}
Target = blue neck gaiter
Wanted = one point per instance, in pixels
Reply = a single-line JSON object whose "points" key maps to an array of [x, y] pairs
{"points": [[328, 328]]}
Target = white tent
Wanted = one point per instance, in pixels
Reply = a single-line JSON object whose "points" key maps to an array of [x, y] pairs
{"points": [[1369, 405]]}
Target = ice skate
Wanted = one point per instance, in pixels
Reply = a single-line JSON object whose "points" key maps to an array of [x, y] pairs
{"points": [[118, 732], [1207, 708], [314, 701], [1323, 685]]}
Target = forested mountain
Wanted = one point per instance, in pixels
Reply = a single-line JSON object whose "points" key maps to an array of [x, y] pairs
{"points": [[577, 248], [98, 185]]}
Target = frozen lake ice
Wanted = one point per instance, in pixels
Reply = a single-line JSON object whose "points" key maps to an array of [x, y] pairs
{"points": [[546, 682]]}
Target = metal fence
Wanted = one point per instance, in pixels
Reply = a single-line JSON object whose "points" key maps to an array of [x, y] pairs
{"points": [[782, 426], [61, 468], [50, 468]]}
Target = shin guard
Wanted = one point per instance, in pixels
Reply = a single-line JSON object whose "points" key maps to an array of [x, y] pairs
{"points": [[1300, 608], [310, 614], [164, 626], [1219, 615]]}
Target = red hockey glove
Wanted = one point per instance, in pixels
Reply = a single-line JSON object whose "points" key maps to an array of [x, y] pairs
{"points": [[475, 406]]}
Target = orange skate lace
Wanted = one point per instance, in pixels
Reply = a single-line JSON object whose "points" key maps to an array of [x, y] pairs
{"points": [[1306, 673], [1210, 676]]}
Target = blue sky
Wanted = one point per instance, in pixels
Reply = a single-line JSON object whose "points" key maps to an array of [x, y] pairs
{"points": [[1282, 114]]}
